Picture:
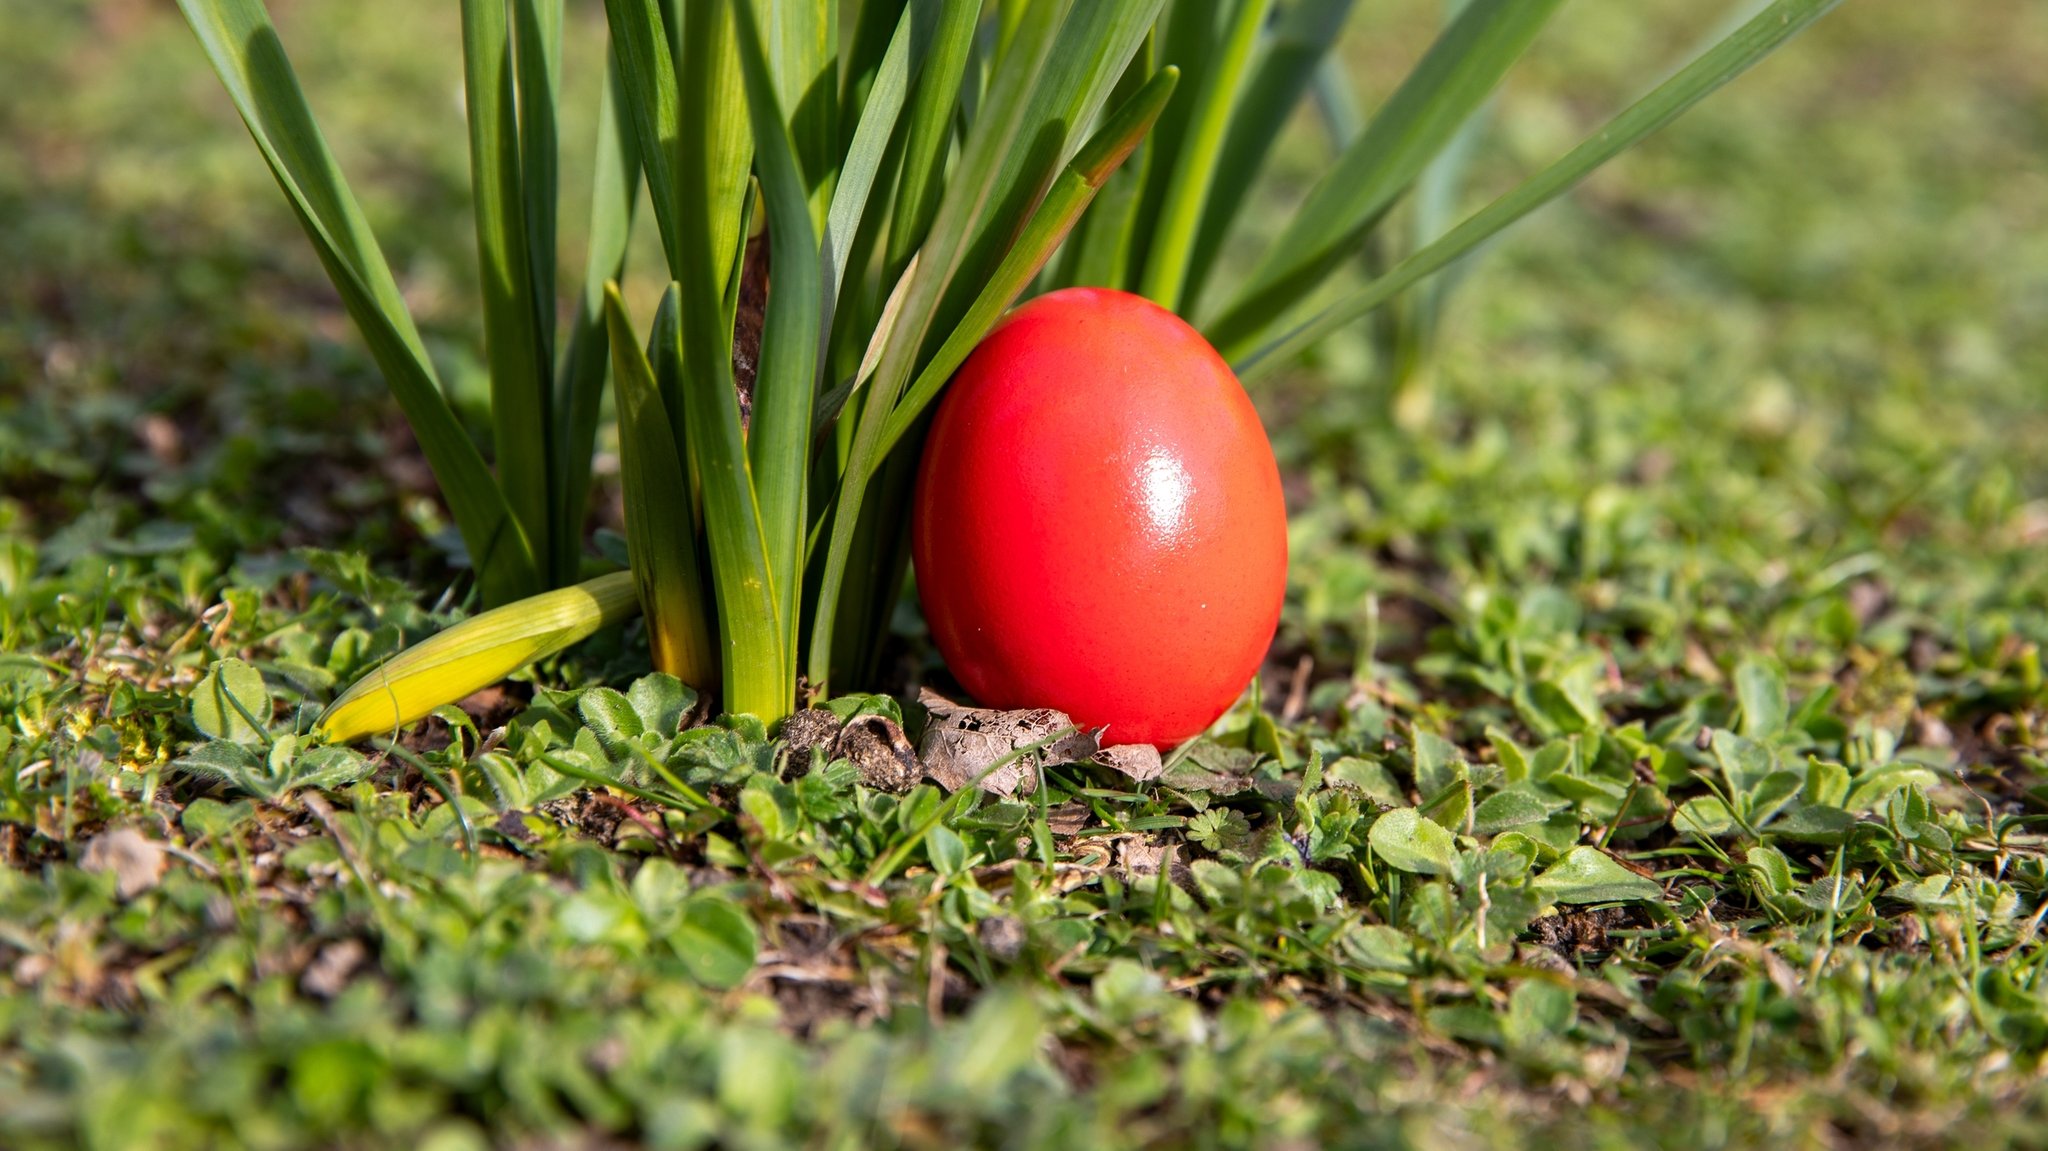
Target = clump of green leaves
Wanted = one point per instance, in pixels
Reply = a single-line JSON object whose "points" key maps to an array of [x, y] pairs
{"points": [[911, 175]]}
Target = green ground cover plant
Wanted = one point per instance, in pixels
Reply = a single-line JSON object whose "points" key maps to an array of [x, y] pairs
{"points": [[894, 242], [1650, 756]]}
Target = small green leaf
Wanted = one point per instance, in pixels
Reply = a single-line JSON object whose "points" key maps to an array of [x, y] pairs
{"points": [[1827, 784], [1773, 871], [760, 804], [1929, 894], [610, 715], [1408, 840], [1538, 1010], [225, 762], [1514, 807], [1589, 875], [657, 887], [1814, 823], [231, 703], [1377, 947], [1706, 816], [329, 767], [947, 851], [205, 818], [1438, 763], [716, 941], [1875, 788], [661, 701], [1451, 807], [1760, 689], [1368, 776], [1220, 884], [1831, 894]]}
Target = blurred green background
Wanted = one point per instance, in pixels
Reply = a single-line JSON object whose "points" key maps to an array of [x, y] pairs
{"points": [[1771, 390], [1813, 312]]}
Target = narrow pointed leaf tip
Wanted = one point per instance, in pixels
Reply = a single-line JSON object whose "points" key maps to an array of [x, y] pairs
{"points": [[1125, 128], [474, 654], [1723, 62]]}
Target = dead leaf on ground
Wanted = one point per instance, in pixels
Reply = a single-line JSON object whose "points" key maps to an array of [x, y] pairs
{"points": [[1139, 761], [961, 744], [136, 860], [329, 973], [1067, 820]]}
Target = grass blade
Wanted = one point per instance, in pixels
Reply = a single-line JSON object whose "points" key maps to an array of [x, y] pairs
{"points": [[1180, 217], [1111, 145], [921, 181], [243, 47], [1336, 106], [1096, 42], [1720, 64], [1095, 253], [860, 56], [715, 459], [937, 260], [474, 654], [1302, 39], [864, 155], [1187, 38], [716, 130], [830, 403], [1457, 73], [876, 557], [522, 390], [786, 386], [751, 654], [661, 532], [647, 71], [579, 389], [1407, 329], [801, 43], [537, 75]]}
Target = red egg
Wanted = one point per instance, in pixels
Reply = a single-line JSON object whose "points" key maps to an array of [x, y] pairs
{"points": [[1098, 524]]}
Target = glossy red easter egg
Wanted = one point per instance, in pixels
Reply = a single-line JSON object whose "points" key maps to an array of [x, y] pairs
{"points": [[1098, 525]]}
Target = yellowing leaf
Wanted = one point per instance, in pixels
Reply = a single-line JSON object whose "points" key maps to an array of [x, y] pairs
{"points": [[474, 654]]}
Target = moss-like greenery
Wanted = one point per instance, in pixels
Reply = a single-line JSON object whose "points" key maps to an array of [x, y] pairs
{"points": [[1651, 756]]}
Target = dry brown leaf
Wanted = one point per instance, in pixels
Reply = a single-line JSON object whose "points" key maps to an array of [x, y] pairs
{"points": [[961, 743], [136, 860], [1140, 761]]}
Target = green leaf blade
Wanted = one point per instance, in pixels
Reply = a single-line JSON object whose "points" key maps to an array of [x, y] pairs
{"points": [[1070, 196], [243, 47], [661, 532], [579, 388], [786, 384], [522, 390], [1459, 71], [1589, 875], [1172, 251], [472, 655], [1720, 64]]}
